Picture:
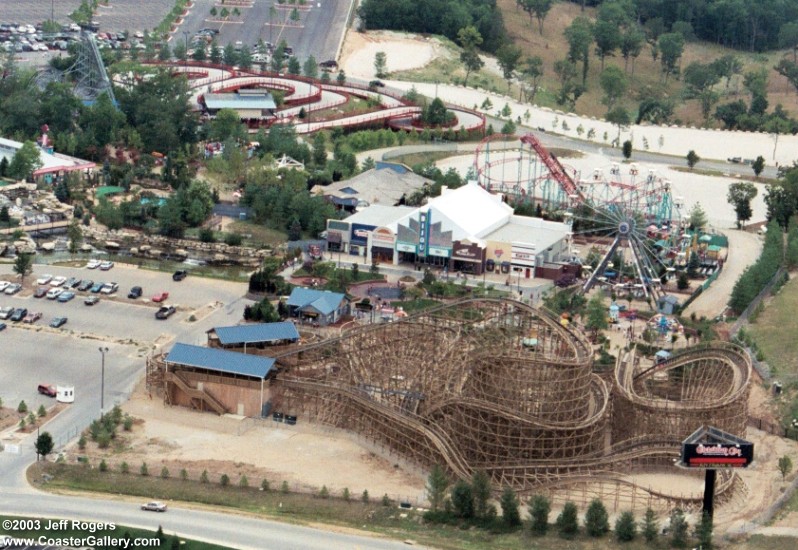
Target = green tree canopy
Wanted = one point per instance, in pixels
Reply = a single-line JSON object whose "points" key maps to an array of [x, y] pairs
{"points": [[25, 161]]}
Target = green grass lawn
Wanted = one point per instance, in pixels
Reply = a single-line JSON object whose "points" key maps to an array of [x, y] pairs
{"points": [[119, 532], [775, 331]]}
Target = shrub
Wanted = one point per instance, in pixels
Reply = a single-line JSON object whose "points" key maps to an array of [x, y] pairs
{"points": [[224, 481], [324, 492], [596, 519], [42, 412], [127, 424], [124, 468], [204, 476], [284, 487], [103, 439], [206, 235], [144, 471], [539, 509], [567, 522], [264, 485], [103, 465], [463, 499], [233, 239], [243, 482], [345, 494], [386, 500], [32, 419], [22, 408], [164, 473], [183, 475], [365, 496], [678, 528], [82, 442], [21, 424], [509, 504], [625, 527]]}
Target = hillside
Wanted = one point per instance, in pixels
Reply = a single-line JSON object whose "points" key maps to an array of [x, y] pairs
{"points": [[552, 46]]}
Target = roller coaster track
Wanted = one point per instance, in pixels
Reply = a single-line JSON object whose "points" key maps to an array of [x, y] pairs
{"points": [[555, 168]]}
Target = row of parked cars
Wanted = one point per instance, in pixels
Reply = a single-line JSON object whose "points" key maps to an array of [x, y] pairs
{"points": [[22, 314]]}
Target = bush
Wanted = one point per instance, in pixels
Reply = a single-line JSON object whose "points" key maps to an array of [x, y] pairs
{"points": [[183, 475], [204, 476], [144, 471], [324, 492], [103, 465], [596, 519], [233, 239], [127, 424], [124, 468], [264, 485], [365, 497], [625, 527], [224, 481], [386, 500], [463, 500], [42, 412], [678, 528], [243, 482], [103, 439], [22, 408], [206, 235], [82, 442], [567, 522], [284, 487], [345, 494], [539, 509], [509, 504], [164, 473]]}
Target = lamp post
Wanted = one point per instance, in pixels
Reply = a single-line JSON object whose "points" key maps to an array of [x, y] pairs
{"points": [[103, 351], [185, 58]]}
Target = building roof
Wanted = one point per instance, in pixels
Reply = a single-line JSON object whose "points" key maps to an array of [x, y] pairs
{"points": [[229, 362], [385, 185], [534, 231], [254, 333], [239, 101], [379, 215], [51, 162], [324, 301]]}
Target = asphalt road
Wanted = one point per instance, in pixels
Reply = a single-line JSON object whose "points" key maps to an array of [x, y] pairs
{"points": [[318, 31]]}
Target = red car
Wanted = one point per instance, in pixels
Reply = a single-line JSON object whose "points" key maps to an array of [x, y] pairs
{"points": [[160, 297], [47, 389]]}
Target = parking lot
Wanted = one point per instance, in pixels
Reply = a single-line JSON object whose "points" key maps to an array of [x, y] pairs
{"points": [[37, 354]]}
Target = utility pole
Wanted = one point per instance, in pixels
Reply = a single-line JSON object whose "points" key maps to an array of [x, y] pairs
{"points": [[103, 351]]}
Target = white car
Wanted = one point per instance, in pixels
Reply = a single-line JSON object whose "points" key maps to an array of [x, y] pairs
{"points": [[154, 506], [3, 285], [13, 288], [44, 279], [58, 281], [53, 293], [106, 265], [93, 264], [109, 288]]}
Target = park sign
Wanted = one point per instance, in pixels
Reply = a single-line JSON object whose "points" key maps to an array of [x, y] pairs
{"points": [[711, 448]]}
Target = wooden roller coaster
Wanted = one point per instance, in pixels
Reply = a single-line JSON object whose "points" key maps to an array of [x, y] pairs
{"points": [[499, 386]]}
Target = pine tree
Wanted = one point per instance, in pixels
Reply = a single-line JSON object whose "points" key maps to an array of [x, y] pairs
{"points": [[463, 500], [625, 527], [437, 483], [596, 519], [678, 528], [480, 487], [703, 531], [539, 509], [567, 522], [509, 503]]}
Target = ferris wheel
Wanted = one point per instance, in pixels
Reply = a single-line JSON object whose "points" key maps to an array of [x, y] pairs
{"points": [[632, 222]]}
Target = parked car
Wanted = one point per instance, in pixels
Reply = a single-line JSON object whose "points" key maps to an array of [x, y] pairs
{"points": [[53, 293], [93, 264], [72, 282], [58, 322], [48, 390], [2, 326], [32, 317], [97, 287], [66, 296], [154, 506], [91, 300], [85, 285], [109, 288], [19, 314], [3, 285], [44, 279], [106, 265], [376, 84], [134, 293], [180, 275], [13, 288], [160, 297], [164, 312], [5, 312], [58, 281], [40, 291]]}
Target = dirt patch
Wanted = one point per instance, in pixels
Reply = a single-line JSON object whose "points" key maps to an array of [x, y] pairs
{"points": [[403, 52], [306, 457]]}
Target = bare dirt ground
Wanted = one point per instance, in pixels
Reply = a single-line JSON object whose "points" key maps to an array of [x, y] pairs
{"points": [[307, 457], [403, 51]]}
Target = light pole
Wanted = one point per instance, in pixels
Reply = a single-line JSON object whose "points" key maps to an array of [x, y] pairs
{"points": [[103, 351], [185, 58]]}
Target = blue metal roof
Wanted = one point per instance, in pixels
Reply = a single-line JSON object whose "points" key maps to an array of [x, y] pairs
{"points": [[230, 362], [259, 332], [324, 301]]}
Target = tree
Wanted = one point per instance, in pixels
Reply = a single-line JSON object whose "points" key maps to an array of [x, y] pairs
{"points": [[539, 509], [509, 503], [23, 265], [380, 64], [470, 39], [682, 283], [164, 54], [538, 9], [650, 527], [625, 527], [197, 55], [692, 159], [703, 531], [480, 487], [607, 38], [614, 84], [671, 48], [596, 518], [699, 80], [295, 230], [596, 314], [789, 70], [532, 71], [567, 522], [619, 117], [740, 195], [758, 165], [25, 161], [229, 55], [462, 500], [627, 149], [311, 68], [319, 150], [631, 45], [44, 444], [678, 528], [437, 484], [341, 78], [580, 36], [294, 15], [245, 59], [293, 66], [698, 218], [75, 236], [508, 57], [785, 466], [727, 66]]}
